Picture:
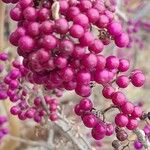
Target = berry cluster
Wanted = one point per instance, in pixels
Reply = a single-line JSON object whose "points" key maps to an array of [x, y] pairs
{"points": [[3, 130], [61, 51], [36, 111], [133, 28], [60, 48], [3, 59], [129, 113], [14, 86], [100, 129]]}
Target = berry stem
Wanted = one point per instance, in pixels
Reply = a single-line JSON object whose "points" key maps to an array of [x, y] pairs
{"points": [[107, 109], [110, 107]]}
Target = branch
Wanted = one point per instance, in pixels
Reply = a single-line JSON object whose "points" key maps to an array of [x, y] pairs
{"points": [[142, 138], [79, 142], [63, 125]]}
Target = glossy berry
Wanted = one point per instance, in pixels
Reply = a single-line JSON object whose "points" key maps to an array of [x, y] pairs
{"points": [[101, 77], [115, 28], [109, 129], [138, 79], [138, 145], [96, 47], [118, 98], [121, 120], [127, 108], [132, 124], [82, 20], [99, 131], [123, 65], [89, 120], [83, 77], [93, 15], [87, 39], [147, 129], [112, 62], [89, 61], [137, 112], [77, 31], [78, 111], [108, 91], [122, 81], [101, 62], [53, 117], [86, 104], [61, 26], [83, 90], [122, 40], [85, 5]]}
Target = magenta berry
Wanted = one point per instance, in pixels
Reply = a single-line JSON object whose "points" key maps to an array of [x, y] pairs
{"points": [[83, 77], [138, 79], [122, 81], [132, 124], [137, 112], [122, 40], [86, 104], [96, 47], [53, 117], [89, 61], [138, 145], [118, 98], [109, 129], [78, 111], [112, 62], [77, 31], [89, 120], [87, 39], [99, 131], [101, 77], [82, 20], [26, 43], [127, 108], [61, 26], [93, 15], [123, 65], [114, 28], [121, 120], [108, 91], [49, 42], [30, 14]]}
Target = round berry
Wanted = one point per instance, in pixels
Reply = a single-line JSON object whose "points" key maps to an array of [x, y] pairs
{"points": [[137, 112], [138, 79], [127, 108], [89, 120], [132, 124], [121, 120], [122, 81], [118, 98], [86, 104]]}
